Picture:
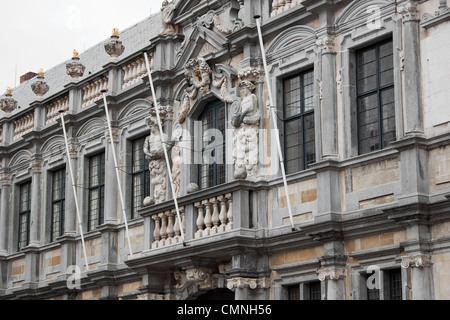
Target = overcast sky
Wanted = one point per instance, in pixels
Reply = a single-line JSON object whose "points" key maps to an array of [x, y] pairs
{"points": [[43, 34]]}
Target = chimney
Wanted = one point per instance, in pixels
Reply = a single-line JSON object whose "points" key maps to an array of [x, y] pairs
{"points": [[27, 76]]}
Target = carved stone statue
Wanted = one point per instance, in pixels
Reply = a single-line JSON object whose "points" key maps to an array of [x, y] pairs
{"points": [[154, 153], [168, 12], [245, 120]]}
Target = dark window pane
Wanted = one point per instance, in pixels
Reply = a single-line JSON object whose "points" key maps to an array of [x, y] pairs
{"points": [[376, 105], [212, 174], [299, 126], [140, 176], [58, 195], [395, 282], [315, 292], [294, 292], [96, 190], [24, 215]]}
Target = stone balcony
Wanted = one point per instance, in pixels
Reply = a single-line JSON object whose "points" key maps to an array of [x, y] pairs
{"points": [[216, 222]]}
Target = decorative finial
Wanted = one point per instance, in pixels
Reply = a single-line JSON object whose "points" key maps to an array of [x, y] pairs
{"points": [[75, 53], [40, 88], [114, 48], [74, 68], [8, 104]]}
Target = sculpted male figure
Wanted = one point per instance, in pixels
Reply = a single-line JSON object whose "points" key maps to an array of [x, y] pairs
{"points": [[246, 121]]}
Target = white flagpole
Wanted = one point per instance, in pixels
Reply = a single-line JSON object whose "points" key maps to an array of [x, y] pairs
{"points": [[122, 201], [272, 108], [169, 170], [74, 189]]}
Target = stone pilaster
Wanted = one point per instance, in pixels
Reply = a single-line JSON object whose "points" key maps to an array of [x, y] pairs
{"points": [[5, 209], [412, 70], [35, 216], [71, 220], [328, 97], [420, 266], [112, 201]]}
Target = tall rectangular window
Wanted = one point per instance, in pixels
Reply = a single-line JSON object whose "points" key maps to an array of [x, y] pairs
{"points": [[58, 202], [140, 176], [395, 284], [315, 291], [212, 119], [294, 292], [298, 109], [96, 191], [24, 215], [376, 99]]}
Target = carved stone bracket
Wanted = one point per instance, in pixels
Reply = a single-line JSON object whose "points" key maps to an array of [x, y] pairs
{"points": [[200, 276], [332, 273], [241, 283], [417, 260]]}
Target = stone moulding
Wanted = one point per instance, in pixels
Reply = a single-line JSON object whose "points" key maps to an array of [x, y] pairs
{"points": [[439, 16]]}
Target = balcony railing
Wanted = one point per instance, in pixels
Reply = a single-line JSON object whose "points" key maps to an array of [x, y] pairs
{"points": [[134, 72], [93, 91], [23, 125], [280, 6], [204, 214], [56, 106]]}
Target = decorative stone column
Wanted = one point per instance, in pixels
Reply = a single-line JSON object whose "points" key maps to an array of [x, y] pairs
{"points": [[70, 221], [35, 216], [335, 282], [5, 209], [420, 266], [328, 97], [412, 73]]}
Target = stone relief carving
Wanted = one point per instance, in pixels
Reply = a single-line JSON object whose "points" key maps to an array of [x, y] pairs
{"points": [[245, 119], [154, 152], [168, 13], [200, 276], [409, 11], [176, 158]]}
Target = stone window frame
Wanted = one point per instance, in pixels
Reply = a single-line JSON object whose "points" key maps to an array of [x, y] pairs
{"points": [[385, 258], [18, 188], [355, 36], [284, 68], [99, 187], [50, 174]]}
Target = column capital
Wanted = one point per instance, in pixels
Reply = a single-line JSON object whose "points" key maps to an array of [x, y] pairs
{"points": [[5, 179], [419, 260], [326, 44], [333, 273], [409, 11], [36, 166], [241, 283]]}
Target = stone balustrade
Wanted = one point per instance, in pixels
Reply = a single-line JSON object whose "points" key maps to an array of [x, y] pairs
{"points": [[1, 135], [280, 6], [93, 91], [55, 107], [134, 72], [167, 228], [23, 125], [215, 215]]}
